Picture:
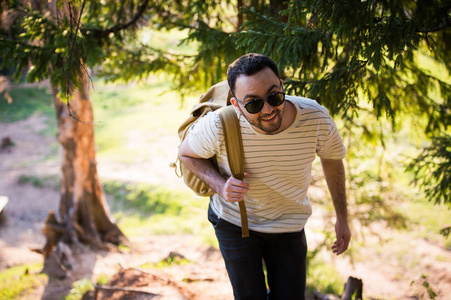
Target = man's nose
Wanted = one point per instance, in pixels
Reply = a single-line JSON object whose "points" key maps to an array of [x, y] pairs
{"points": [[267, 108]]}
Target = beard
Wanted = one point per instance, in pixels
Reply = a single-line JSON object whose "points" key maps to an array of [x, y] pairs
{"points": [[267, 123]]}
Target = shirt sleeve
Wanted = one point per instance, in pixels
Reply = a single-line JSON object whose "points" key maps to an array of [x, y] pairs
{"points": [[206, 135], [330, 145]]}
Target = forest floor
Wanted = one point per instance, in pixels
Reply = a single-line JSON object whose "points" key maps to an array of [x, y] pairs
{"points": [[386, 274]]}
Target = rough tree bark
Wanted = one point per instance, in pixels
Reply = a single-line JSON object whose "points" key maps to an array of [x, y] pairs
{"points": [[84, 216]]}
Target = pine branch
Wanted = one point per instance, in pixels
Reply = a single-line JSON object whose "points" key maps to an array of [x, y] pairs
{"points": [[138, 15], [119, 27], [348, 72], [439, 27]]}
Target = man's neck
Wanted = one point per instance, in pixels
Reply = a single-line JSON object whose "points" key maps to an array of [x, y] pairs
{"points": [[288, 117]]}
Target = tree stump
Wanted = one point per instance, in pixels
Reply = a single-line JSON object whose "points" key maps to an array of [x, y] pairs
{"points": [[354, 286]]}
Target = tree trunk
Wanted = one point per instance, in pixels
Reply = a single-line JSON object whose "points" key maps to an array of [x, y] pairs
{"points": [[276, 7], [240, 15], [84, 216]]}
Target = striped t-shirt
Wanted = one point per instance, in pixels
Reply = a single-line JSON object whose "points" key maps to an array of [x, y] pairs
{"points": [[279, 165]]}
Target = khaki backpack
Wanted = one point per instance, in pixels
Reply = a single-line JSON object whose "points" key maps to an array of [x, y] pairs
{"points": [[217, 97]]}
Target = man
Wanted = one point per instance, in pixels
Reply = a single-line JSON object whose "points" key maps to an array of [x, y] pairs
{"points": [[281, 136]]}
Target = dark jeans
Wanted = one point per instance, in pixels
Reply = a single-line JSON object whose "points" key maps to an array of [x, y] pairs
{"points": [[283, 255]]}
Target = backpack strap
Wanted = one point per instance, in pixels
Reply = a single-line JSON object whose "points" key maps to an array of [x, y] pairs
{"points": [[235, 154]]}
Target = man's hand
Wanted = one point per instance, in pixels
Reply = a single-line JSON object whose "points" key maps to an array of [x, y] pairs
{"points": [[343, 237], [335, 177], [235, 189]]}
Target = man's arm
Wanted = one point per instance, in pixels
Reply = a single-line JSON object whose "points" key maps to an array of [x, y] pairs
{"points": [[231, 189], [334, 173]]}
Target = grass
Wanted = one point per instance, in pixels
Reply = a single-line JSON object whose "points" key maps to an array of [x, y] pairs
{"points": [[170, 261], [323, 278], [40, 181], [20, 280], [79, 288], [428, 219], [26, 101], [144, 209], [131, 120]]}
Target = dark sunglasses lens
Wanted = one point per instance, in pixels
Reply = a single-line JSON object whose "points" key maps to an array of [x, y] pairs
{"points": [[254, 106], [276, 99]]}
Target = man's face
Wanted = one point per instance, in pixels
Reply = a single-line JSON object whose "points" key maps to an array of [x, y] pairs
{"points": [[259, 85]]}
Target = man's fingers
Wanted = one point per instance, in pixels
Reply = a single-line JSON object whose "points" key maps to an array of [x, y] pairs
{"points": [[238, 183], [340, 246], [235, 189], [232, 196], [343, 237], [337, 247]]}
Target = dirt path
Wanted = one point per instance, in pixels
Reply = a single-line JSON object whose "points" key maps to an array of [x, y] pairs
{"points": [[28, 205], [385, 273]]}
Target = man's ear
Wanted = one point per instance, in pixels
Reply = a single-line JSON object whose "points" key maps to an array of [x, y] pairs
{"points": [[234, 102]]}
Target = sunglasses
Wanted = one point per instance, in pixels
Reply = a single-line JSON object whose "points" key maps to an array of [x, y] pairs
{"points": [[256, 105]]}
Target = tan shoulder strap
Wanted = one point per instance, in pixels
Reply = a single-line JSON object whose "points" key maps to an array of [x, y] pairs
{"points": [[235, 155]]}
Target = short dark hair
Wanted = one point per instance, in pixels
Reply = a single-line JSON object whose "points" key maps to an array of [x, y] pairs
{"points": [[248, 65]]}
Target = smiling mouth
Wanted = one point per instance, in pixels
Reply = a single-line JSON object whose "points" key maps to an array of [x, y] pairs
{"points": [[269, 119]]}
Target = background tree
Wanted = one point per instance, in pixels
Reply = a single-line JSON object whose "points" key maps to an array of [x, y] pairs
{"points": [[49, 41], [62, 41]]}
